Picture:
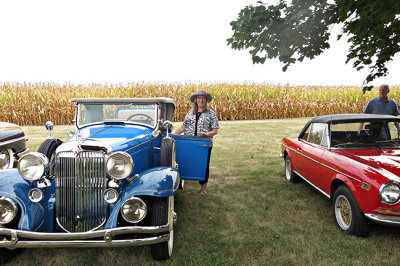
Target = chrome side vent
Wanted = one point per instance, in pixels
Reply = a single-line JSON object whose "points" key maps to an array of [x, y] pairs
{"points": [[80, 185]]}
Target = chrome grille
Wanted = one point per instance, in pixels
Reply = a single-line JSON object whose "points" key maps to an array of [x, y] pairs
{"points": [[80, 185]]}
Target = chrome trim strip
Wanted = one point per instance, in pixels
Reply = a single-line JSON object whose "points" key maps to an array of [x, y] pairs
{"points": [[84, 239], [385, 219], [355, 179], [85, 243], [141, 144], [313, 185], [12, 140]]}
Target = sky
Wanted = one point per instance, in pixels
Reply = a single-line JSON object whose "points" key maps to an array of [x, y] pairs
{"points": [[157, 41]]}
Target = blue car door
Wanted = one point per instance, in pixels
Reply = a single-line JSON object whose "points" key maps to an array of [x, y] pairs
{"points": [[191, 156]]}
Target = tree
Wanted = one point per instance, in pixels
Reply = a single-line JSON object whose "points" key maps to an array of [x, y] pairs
{"points": [[301, 29]]}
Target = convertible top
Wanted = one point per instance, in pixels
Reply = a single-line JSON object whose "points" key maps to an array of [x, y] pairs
{"points": [[124, 100], [343, 118], [349, 118]]}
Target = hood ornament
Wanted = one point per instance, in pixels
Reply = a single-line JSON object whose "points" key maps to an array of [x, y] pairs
{"points": [[49, 127]]}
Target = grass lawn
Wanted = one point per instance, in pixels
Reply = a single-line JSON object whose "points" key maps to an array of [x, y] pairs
{"points": [[250, 215]]}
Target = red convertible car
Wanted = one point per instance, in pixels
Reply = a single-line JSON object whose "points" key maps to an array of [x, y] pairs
{"points": [[353, 159]]}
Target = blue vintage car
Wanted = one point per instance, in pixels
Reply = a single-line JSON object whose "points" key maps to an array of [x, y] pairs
{"points": [[111, 184]]}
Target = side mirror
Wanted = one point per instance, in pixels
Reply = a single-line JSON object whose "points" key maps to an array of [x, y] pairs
{"points": [[168, 126]]}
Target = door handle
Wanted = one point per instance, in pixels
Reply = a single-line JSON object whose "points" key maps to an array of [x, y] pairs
{"points": [[299, 150], [203, 145]]}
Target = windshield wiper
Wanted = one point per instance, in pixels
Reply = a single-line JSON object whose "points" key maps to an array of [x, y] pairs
{"points": [[113, 123], [344, 144], [357, 145], [388, 140]]}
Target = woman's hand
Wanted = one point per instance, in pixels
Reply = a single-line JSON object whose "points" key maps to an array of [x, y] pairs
{"points": [[211, 133]]}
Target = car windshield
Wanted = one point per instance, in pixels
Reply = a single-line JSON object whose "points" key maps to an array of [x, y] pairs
{"points": [[365, 135], [89, 113]]}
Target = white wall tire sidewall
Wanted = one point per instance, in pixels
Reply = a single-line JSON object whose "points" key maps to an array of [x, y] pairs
{"points": [[171, 225]]}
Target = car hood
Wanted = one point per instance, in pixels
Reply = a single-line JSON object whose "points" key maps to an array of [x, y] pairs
{"points": [[119, 138], [384, 161]]}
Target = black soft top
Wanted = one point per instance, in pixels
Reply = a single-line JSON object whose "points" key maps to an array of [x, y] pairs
{"points": [[349, 118]]}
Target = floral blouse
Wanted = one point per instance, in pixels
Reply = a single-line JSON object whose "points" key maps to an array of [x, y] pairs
{"points": [[207, 121]]}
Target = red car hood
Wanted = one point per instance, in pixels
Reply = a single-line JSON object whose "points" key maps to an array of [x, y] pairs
{"points": [[384, 161]]}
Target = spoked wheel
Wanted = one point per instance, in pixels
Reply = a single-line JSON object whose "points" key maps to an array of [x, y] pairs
{"points": [[163, 213], [6, 159], [289, 174], [348, 214]]}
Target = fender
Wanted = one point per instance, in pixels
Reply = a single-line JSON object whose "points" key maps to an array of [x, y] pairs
{"points": [[290, 152], [352, 185], [16, 188], [157, 182]]}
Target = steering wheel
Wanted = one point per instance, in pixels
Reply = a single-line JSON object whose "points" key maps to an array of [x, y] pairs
{"points": [[147, 119]]}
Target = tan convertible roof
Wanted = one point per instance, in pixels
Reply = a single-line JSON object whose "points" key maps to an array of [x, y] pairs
{"points": [[124, 100]]}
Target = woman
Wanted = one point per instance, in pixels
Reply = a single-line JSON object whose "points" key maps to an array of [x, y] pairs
{"points": [[201, 121]]}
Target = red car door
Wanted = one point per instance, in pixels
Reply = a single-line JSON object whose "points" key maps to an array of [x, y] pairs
{"points": [[310, 153]]}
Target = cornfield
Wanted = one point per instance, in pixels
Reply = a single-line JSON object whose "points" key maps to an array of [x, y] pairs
{"points": [[34, 104]]}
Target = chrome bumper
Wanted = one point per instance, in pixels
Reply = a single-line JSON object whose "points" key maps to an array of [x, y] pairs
{"points": [[384, 219], [100, 238]]}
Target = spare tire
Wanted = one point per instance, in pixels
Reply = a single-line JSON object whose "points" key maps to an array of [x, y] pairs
{"points": [[167, 152], [49, 146]]}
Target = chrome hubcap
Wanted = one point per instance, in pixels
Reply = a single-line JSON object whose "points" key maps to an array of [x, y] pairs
{"points": [[288, 169]]}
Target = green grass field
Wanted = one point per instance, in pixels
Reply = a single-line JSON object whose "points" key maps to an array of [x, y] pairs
{"points": [[250, 215]]}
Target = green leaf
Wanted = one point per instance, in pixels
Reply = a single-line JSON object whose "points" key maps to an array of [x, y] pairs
{"points": [[367, 88], [294, 30]]}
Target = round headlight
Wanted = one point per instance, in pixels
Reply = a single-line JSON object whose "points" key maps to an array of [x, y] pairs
{"points": [[8, 210], [119, 165], [133, 210], [32, 166], [389, 193]]}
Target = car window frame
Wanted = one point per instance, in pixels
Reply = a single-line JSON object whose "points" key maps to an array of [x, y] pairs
{"points": [[78, 106], [325, 140]]}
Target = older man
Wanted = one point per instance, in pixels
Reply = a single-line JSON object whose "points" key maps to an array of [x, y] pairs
{"points": [[382, 104]]}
